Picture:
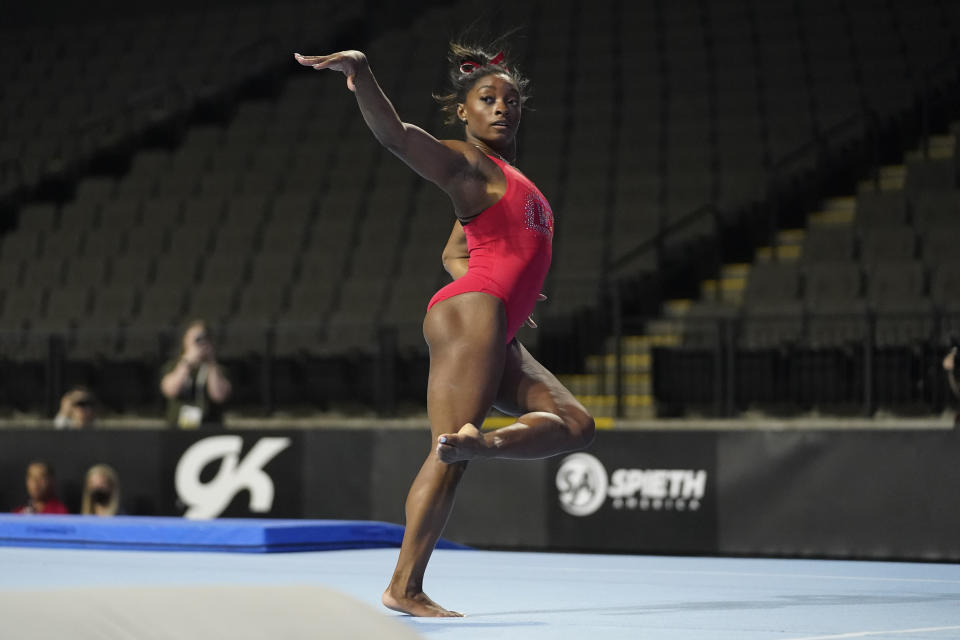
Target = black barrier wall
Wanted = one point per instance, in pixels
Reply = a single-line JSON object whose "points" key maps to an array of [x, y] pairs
{"points": [[843, 494], [136, 455], [879, 495]]}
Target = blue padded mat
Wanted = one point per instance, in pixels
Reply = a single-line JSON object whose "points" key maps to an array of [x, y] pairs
{"points": [[178, 534]]}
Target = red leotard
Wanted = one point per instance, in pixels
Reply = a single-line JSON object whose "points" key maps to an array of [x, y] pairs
{"points": [[510, 246]]}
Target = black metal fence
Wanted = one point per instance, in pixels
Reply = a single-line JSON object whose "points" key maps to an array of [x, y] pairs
{"points": [[836, 364], [123, 368]]}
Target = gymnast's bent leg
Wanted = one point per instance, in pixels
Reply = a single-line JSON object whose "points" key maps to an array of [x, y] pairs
{"points": [[550, 419], [466, 335]]}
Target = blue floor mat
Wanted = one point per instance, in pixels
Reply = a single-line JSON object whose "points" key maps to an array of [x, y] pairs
{"points": [[178, 534]]}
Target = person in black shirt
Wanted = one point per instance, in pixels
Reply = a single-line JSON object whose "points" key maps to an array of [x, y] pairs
{"points": [[195, 385]]}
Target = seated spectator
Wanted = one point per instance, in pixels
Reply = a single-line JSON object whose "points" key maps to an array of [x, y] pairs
{"points": [[949, 363], [195, 386], [41, 490], [78, 409], [101, 491]]}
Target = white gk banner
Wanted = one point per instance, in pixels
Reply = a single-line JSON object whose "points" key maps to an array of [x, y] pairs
{"points": [[209, 498]]}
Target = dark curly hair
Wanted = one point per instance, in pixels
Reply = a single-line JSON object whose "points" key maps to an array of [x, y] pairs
{"points": [[461, 82]]}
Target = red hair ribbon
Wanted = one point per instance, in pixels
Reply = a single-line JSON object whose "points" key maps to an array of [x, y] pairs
{"points": [[469, 66]]}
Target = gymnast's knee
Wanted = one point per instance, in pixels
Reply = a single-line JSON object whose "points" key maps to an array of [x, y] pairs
{"points": [[582, 427]]}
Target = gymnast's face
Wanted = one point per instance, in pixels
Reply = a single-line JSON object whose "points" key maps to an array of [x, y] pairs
{"points": [[491, 110]]}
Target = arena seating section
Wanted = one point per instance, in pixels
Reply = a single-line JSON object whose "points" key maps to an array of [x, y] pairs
{"points": [[292, 231]]}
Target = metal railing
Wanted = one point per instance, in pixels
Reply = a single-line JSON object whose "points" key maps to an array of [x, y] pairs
{"points": [[37, 366], [838, 363]]}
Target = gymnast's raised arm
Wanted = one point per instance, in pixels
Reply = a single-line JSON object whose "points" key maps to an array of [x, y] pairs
{"points": [[446, 163]]}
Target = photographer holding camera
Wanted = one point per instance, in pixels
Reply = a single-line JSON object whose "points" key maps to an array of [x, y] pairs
{"points": [[78, 409], [949, 365], [194, 384]]}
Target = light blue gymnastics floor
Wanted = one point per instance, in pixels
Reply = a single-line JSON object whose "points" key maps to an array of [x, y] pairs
{"points": [[559, 596]]}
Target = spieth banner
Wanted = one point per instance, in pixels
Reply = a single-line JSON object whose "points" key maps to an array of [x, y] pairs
{"points": [[636, 492]]}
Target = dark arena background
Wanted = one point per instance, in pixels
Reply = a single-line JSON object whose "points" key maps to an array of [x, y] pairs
{"points": [[755, 291]]}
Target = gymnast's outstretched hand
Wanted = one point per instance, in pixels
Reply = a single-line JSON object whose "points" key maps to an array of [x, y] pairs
{"points": [[349, 63]]}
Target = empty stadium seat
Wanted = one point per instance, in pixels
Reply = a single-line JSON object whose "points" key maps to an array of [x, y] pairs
{"points": [[881, 209], [936, 207], [828, 243], [887, 243]]}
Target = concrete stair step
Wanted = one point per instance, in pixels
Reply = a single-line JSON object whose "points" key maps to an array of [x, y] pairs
{"points": [[735, 270], [725, 290], [939, 147], [838, 217], [891, 178], [789, 246], [676, 308], [787, 237], [605, 406], [592, 384], [607, 363], [729, 286], [642, 343], [664, 326], [781, 253], [840, 203]]}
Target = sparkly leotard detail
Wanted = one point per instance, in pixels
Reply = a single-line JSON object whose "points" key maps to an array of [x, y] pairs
{"points": [[510, 247]]}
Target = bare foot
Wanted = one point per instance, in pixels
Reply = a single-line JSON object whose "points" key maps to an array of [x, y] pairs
{"points": [[418, 604], [465, 444]]}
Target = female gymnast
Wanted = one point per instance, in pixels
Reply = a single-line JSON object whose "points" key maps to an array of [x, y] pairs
{"points": [[498, 254]]}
